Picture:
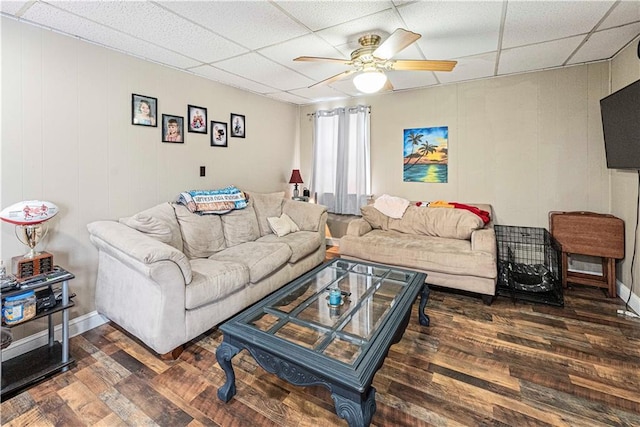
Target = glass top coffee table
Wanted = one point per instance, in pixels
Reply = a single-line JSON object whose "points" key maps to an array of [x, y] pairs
{"points": [[298, 335]]}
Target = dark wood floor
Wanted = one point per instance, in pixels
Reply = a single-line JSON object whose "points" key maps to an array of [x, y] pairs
{"points": [[515, 364]]}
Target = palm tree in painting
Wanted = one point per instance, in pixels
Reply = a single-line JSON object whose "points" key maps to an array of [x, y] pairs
{"points": [[423, 150], [415, 139]]}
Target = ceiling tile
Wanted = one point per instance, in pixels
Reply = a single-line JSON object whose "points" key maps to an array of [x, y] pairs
{"points": [[533, 22], [382, 23], [66, 22], [288, 97], [263, 24], [151, 23], [12, 7], [230, 79], [605, 44], [471, 67], [625, 12], [319, 93], [411, 79], [317, 15], [537, 56], [454, 29], [259, 69]]}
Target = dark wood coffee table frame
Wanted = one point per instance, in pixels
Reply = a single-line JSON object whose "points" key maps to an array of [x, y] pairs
{"points": [[350, 385]]}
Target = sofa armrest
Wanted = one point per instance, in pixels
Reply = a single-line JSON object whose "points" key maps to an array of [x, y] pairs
{"points": [[484, 240], [118, 239], [308, 216], [358, 227]]}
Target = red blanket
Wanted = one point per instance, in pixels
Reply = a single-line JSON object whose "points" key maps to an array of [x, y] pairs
{"points": [[484, 215]]}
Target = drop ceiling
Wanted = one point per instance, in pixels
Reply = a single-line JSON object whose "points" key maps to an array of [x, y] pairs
{"points": [[251, 44]]}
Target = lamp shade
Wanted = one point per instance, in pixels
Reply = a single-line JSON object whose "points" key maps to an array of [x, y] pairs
{"points": [[370, 81], [295, 177]]}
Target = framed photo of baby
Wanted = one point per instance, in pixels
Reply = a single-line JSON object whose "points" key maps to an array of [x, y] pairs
{"points": [[197, 119], [144, 110], [237, 125], [172, 128], [218, 134]]}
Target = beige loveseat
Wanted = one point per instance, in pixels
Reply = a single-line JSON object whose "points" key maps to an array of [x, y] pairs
{"points": [[453, 246], [167, 275]]}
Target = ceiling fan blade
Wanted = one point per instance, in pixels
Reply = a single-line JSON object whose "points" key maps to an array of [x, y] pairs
{"points": [[396, 42], [423, 65], [321, 59], [333, 78]]}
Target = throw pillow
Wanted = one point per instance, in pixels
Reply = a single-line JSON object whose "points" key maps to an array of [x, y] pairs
{"points": [[283, 225]]}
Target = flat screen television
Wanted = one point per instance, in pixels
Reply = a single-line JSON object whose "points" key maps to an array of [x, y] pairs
{"points": [[621, 125]]}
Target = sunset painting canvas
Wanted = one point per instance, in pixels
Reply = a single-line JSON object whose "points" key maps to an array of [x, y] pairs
{"points": [[426, 154]]}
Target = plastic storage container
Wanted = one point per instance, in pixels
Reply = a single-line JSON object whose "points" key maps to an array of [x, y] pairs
{"points": [[19, 308]]}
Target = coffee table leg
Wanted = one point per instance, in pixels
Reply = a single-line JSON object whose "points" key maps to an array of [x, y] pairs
{"points": [[424, 297], [357, 414], [224, 354]]}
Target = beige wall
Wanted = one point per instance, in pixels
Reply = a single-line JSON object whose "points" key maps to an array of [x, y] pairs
{"points": [[625, 69], [67, 138], [528, 144]]}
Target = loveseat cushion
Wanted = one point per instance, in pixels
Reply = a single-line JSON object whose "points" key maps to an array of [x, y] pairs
{"points": [[302, 243], [240, 226], [202, 235], [428, 253], [214, 280], [266, 205], [260, 258]]}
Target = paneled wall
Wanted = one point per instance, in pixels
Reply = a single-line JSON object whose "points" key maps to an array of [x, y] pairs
{"points": [[67, 138]]}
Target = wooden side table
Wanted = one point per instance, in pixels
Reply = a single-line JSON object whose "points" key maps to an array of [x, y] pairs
{"points": [[589, 233]]}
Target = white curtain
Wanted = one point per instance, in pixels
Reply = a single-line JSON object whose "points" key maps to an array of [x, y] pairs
{"points": [[341, 177]]}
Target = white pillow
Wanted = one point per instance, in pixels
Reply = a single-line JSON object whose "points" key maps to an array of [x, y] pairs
{"points": [[283, 225]]}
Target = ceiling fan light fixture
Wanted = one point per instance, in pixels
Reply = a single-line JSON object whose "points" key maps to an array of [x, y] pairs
{"points": [[370, 81]]}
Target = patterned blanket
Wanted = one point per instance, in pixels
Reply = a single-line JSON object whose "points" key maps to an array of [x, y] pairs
{"points": [[206, 202]]}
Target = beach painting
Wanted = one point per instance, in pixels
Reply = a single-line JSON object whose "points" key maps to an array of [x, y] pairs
{"points": [[426, 154]]}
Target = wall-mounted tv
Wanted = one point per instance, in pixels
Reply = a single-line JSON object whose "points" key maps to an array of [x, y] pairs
{"points": [[621, 125]]}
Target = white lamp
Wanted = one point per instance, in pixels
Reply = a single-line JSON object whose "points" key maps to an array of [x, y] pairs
{"points": [[370, 81]]}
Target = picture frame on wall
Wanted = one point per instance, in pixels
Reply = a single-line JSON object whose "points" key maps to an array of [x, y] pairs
{"points": [[218, 134], [197, 117], [238, 125], [172, 129], [144, 110]]}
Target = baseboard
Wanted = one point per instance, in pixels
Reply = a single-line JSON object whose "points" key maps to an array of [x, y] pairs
{"points": [[332, 241], [76, 327], [623, 294]]}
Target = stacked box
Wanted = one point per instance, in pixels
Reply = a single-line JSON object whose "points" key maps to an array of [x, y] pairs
{"points": [[529, 266]]}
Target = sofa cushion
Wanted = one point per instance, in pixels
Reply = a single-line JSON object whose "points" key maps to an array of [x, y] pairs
{"points": [[375, 218], [152, 227], [302, 243], [305, 215], [202, 235], [266, 205], [214, 280], [427, 253], [260, 258], [240, 226], [440, 222]]}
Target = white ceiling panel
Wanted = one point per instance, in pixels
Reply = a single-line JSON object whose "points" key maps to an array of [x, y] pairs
{"points": [[454, 29], [259, 69], [264, 24], [537, 56], [317, 15], [625, 12], [60, 20], [470, 68], [601, 43], [251, 44], [148, 22], [535, 22]]}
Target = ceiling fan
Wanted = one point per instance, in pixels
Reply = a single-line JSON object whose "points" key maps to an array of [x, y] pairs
{"points": [[373, 59]]}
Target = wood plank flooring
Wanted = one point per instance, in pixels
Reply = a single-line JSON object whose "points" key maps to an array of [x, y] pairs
{"points": [[508, 364]]}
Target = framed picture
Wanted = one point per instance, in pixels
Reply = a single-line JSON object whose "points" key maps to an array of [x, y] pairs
{"points": [[197, 119], [172, 128], [218, 134], [237, 125], [144, 110]]}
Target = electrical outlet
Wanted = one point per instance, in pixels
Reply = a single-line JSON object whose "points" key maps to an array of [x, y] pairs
{"points": [[202, 171]]}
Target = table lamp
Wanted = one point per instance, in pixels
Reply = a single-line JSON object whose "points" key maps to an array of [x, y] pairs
{"points": [[30, 217], [295, 179]]}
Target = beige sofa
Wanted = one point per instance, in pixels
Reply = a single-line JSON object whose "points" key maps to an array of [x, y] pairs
{"points": [[167, 275], [453, 246]]}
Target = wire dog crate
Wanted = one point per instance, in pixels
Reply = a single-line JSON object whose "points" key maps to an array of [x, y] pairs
{"points": [[529, 265]]}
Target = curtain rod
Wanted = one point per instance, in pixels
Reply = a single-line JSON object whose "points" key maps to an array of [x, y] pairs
{"points": [[367, 106]]}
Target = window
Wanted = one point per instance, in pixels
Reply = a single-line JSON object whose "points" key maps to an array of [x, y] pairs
{"points": [[341, 176]]}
